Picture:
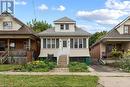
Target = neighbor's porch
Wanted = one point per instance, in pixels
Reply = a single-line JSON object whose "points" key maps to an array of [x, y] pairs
{"points": [[107, 47], [18, 49]]}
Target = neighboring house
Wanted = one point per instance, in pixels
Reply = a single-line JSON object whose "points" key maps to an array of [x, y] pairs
{"points": [[17, 41], [118, 37], [66, 42]]}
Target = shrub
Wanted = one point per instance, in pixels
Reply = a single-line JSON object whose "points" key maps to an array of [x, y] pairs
{"points": [[116, 54], [78, 67], [37, 66], [125, 64]]}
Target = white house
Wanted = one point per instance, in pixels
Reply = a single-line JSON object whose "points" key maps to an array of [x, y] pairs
{"points": [[66, 42]]}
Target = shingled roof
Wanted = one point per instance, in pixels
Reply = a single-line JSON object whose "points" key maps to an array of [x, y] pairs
{"points": [[64, 19], [51, 32], [113, 34], [23, 30]]}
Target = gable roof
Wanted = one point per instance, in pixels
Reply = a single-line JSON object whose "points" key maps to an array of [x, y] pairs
{"points": [[64, 19], [113, 33], [51, 32], [23, 30]]}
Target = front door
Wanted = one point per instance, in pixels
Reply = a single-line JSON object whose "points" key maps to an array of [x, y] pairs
{"points": [[64, 44]]}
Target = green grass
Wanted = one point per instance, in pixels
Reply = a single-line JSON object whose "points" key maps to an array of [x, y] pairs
{"points": [[7, 67], [48, 81]]}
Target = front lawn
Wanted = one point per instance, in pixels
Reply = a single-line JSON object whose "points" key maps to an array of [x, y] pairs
{"points": [[48, 81], [7, 67], [78, 67]]}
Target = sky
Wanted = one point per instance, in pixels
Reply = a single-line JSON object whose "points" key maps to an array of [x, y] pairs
{"points": [[91, 15]]}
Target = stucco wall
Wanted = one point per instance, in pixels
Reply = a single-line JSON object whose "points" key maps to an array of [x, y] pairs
{"points": [[15, 25]]}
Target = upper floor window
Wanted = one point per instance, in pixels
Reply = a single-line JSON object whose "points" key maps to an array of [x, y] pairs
{"points": [[126, 29], [7, 25], [64, 26]]}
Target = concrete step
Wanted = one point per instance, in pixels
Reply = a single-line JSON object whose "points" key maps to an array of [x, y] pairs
{"points": [[60, 70]]}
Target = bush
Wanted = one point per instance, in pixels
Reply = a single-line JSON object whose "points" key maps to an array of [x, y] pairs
{"points": [[37, 66], [125, 65], [116, 54], [78, 67]]}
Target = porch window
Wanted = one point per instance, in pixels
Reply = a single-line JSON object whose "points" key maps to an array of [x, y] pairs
{"points": [[53, 43], [2, 45], [71, 43], [76, 43], [57, 43], [84, 43], [44, 43], [7, 25], [80, 43], [48, 43], [126, 29]]}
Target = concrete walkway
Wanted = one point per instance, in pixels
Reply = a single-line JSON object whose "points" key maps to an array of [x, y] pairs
{"points": [[114, 78]]}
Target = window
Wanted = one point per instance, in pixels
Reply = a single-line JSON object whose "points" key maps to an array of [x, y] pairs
{"points": [[126, 29], [71, 43], [26, 44], [48, 43], [12, 45], [84, 43], [66, 26], [76, 43], [80, 43], [57, 43], [2, 45], [7, 25], [44, 43], [53, 43], [62, 26]]}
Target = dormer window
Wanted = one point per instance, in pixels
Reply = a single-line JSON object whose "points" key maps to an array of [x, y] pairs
{"points": [[64, 26], [7, 25], [126, 29]]}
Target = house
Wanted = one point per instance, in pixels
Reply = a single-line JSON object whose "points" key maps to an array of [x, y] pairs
{"points": [[118, 37], [18, 44], [65, 42]]}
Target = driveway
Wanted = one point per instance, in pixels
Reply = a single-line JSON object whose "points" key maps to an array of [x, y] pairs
{"points": [[111, 77]]}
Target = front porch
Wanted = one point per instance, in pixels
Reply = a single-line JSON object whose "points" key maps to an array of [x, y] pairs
{"points": [[107, 47], [16, 51]]}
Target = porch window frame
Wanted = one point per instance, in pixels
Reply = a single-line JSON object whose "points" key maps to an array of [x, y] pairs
{"points": [[7, 26]]}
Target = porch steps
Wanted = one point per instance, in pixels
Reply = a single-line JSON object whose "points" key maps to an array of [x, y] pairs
{"points": [[60, 70], [62, 62]]}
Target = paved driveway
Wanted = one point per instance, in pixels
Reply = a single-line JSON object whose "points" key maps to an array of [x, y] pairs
{"points": [[115, 81]]}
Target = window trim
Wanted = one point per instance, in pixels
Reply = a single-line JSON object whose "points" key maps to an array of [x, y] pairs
{"points": [[9, 27], [126, 29]]}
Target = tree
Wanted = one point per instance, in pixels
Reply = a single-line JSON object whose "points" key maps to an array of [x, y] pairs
{"points": [[96, 36], [39, 26]]}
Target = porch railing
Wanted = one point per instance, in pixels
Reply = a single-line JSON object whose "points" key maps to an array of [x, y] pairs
{"points": [[18, 53], [3, 57]]}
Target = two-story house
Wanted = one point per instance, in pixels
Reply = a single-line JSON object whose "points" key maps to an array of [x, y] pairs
{"points": [[18, 43], [118, 37], [66, 42]]}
